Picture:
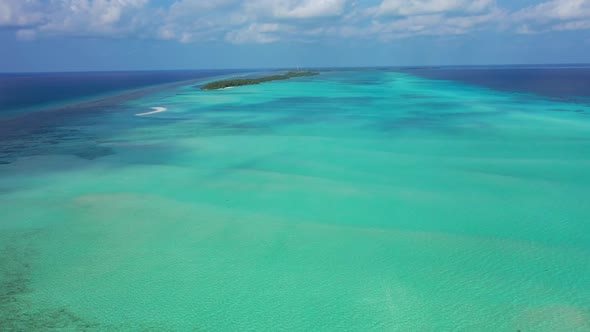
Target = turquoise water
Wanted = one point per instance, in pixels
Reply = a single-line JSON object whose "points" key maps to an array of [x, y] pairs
{"points": [[358, 201]]}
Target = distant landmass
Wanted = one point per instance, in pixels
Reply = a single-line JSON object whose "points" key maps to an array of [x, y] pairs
{"points": [[252, 81]]}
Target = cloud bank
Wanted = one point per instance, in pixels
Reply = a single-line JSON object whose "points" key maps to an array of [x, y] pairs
{"points": [[268, 21]]}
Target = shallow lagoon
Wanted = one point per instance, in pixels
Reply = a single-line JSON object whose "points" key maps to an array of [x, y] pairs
{"points": [[358, 200]]}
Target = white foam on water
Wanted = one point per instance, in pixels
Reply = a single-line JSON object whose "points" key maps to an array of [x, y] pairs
{"points": [[155, 110]]}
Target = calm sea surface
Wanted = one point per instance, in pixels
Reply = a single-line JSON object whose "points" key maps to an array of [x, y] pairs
{"points": [[32, 91], [453, 199]]}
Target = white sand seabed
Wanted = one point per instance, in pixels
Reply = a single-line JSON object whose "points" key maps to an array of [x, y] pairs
{"points": [[155, 110]]}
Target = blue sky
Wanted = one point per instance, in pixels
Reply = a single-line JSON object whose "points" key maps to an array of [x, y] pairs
{"points": [[70, 35]]}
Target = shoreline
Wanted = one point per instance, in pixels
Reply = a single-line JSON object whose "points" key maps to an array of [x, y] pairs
{"points": [[232, 83]]}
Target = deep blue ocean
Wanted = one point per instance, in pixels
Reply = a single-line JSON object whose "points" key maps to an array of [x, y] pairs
{"points": [[30, 90], [562, 82]]}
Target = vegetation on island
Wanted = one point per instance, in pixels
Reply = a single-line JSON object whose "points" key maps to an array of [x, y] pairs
{"points": [[251, 81]]}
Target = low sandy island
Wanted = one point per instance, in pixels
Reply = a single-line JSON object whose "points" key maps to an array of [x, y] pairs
{"points": [[222, 85]]}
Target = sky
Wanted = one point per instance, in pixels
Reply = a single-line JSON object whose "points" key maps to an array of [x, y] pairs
{"points": [[95, 35]]}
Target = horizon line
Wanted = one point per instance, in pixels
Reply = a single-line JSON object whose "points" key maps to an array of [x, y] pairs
{"points": [[300, 68]]}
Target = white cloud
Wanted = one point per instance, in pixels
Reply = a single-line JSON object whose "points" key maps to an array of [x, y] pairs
{"points": [[574, 25], [421, 7], [555, 10], [295, 9], [183, 7], [197, 20], [256, 33], [395, 19], [113, 18], [525, 29], [425, 25], [267, 21], [555, 15], [26, 34], [20, 13], [98, 17], [246, 21]]}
